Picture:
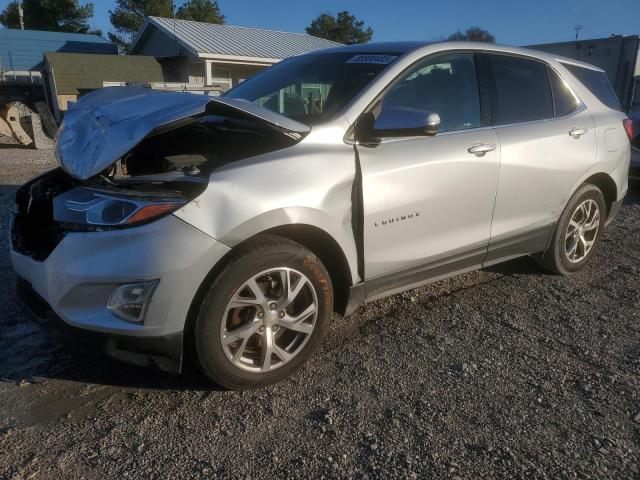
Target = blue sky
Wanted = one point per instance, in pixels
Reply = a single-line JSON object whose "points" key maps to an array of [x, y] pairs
{"points": [[513, 22]]}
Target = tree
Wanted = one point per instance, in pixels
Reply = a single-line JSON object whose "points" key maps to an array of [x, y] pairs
{"points": [[50, 15], [201, 11], [128, 17], [9, 16], [343, 29], [473, 34]]}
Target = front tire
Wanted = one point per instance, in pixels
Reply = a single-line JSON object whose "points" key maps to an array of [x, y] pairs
{"points": [[264, 315], [577, 233]]}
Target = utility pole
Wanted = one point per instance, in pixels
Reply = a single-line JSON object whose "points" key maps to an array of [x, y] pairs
{"points": [[173, 40], [577, 28], [20, 14]]}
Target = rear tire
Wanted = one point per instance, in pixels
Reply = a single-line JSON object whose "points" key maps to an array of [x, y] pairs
{"points": [[264, 315], [577, 233]]}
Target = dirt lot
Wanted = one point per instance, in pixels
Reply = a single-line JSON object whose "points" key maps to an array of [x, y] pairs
{"points": [[505, 373]]}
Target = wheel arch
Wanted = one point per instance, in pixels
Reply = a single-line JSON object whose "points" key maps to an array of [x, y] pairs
{"points": [[318, 241], [327, 249], [607, 186]]}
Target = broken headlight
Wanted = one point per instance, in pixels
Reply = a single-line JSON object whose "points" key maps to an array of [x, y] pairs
{"points": [[95, 208]]}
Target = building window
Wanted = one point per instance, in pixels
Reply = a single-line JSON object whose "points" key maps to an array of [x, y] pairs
{"points": [[220, 77]]}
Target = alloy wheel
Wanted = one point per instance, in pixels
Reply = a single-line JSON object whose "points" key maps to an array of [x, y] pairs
{"points": [[582, 230], [269, 319]]}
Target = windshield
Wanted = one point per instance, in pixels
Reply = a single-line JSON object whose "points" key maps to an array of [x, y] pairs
{"points": [[312, 88]]}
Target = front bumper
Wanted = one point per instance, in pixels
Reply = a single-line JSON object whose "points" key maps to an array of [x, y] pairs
{"points": [[76, 280], [163, 352]]}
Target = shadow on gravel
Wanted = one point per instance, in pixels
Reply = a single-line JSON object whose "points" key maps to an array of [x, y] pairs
{"points": [[519, 266], [29, 351], [109, 372], [75, 365]]}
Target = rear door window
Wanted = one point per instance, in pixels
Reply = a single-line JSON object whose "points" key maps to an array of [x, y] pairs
{"points": [[597, 83], [523, 92]]}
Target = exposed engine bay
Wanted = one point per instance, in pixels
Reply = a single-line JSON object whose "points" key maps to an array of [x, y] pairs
{"points": [[163, 172], [202, 146]]}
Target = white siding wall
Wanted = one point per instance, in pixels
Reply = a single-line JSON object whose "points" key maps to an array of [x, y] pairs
{"points": [[157, 44], [184, 66]]}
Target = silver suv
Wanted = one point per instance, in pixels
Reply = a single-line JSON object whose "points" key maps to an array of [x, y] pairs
{"points": [[232, 227]]}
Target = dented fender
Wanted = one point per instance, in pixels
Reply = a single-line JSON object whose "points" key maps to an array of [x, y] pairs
{"points": [[297, 185]]}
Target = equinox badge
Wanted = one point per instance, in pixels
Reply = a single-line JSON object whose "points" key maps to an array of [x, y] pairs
{"points": [[401, 218]]}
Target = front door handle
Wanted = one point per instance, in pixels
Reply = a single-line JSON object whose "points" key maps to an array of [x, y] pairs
{"points": [[479, 149], [577, 132]]}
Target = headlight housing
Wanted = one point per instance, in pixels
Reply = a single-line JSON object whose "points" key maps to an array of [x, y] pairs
{"points": [[94, 209]]}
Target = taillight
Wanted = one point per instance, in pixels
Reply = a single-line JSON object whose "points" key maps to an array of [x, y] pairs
{"points": [[628, 127]]}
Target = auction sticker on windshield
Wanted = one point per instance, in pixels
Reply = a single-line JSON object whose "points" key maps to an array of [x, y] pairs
{"points": [[373, 59]]}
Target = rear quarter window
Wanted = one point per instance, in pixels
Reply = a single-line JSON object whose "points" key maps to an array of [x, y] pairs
{"points": [[597, 83], [564, 101]]}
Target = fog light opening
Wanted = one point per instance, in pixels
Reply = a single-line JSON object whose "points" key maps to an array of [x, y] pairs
{"points": [[130, 301]]}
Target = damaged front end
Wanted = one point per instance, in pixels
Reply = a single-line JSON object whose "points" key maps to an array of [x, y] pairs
{"points": [[131, 155]]}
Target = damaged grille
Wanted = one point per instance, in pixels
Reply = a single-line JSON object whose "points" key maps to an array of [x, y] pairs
{"points": [[34, 232]]}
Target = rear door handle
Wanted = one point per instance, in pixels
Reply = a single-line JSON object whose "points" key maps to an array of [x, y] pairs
{"points": [[577, 132], [479, 149]]}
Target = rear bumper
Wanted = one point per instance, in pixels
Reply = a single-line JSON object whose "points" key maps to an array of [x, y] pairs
{"points": [[634, 167], [163, 352]]}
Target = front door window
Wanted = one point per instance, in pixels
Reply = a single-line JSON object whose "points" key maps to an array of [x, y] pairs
{"points": [[446, 85]]}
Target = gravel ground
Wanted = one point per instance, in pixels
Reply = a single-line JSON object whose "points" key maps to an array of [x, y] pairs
{"points": [[505, 373]]}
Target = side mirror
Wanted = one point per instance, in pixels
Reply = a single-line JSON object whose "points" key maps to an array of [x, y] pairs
{"points": [[404, 122]]}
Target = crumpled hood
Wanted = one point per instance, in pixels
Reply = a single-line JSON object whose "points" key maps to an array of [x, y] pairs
{"points": [[106, 124]]}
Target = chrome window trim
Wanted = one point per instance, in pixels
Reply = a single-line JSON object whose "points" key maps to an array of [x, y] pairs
{"points": [[581, 108], [464, 130], [384, 140]]}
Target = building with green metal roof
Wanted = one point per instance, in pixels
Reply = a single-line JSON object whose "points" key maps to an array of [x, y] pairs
{"points": [[70, 75]]}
